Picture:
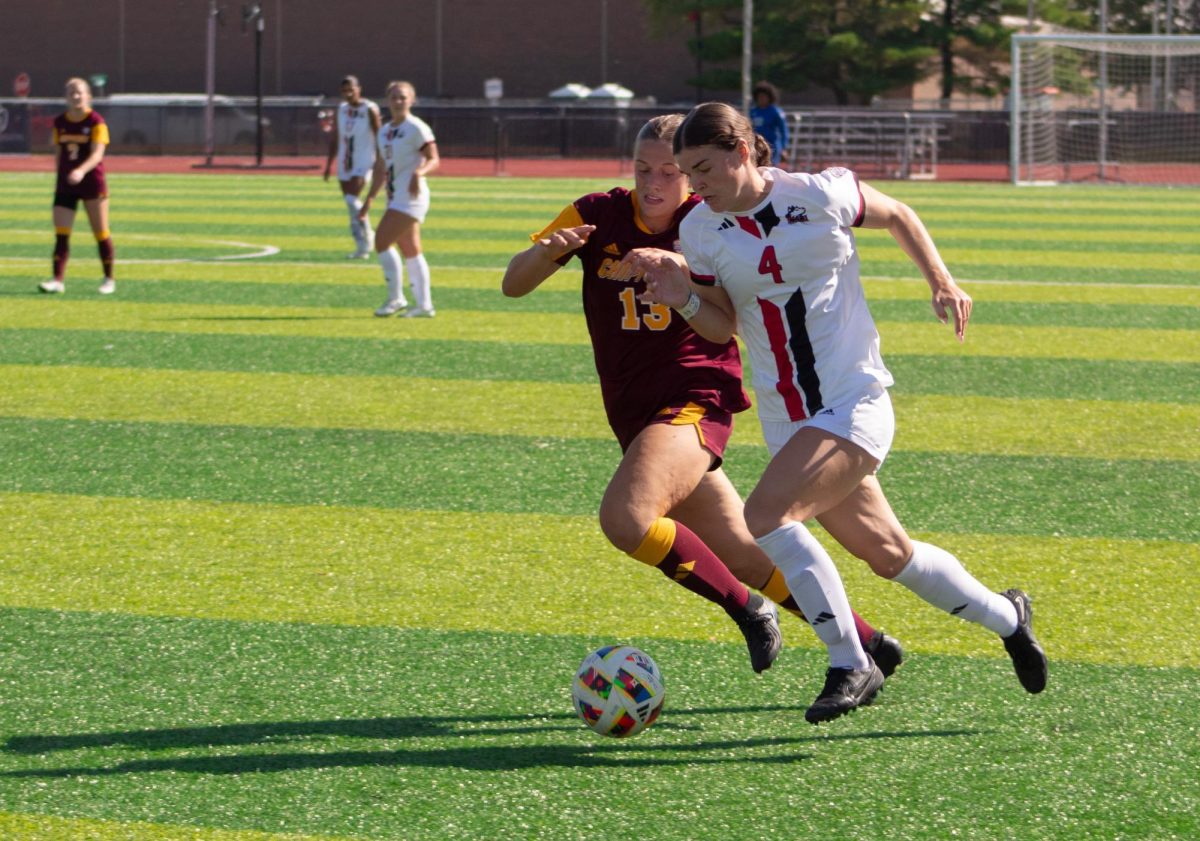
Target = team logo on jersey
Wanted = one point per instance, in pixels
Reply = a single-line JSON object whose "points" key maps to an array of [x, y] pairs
{"points": [[796, 214], [394, 133]]}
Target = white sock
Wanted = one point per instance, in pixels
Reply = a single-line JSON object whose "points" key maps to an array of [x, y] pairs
{"points": [[937, 576], [353, 206], [817, 588], [418, 277], [389, 258]]}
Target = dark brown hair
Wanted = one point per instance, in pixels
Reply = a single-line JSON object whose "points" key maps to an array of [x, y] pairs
{"points": [[723, 126], [770, 90]]}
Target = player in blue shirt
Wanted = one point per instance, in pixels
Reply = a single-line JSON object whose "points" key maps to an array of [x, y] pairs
{"points": [[768, 120]]}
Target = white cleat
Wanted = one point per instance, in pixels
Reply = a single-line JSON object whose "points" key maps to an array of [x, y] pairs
{"points": [[391, 308], [54, 287], [417, 312], [108, 287], [361, 254]]}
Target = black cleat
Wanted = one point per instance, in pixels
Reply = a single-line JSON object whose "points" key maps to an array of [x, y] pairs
{"points": [[845, 690], [1029, 660], [886, 652], [759, 621]]}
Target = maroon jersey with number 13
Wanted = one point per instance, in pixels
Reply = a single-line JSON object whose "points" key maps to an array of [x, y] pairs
{"points": [[647, 356]]}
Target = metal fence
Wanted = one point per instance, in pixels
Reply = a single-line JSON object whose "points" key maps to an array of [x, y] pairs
{"points": [[877, 142]]}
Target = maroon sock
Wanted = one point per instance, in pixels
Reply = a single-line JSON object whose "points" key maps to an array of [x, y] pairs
{"points": [[107, 253], [62, 250], [684, 558]]}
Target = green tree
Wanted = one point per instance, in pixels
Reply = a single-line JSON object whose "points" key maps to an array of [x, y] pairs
{"points": [[855, 49]]}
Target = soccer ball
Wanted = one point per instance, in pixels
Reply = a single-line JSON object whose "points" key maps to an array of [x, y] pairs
{"points": [[618, 691]]}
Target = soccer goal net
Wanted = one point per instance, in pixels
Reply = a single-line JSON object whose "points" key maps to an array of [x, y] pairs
{"points": [[1111, 108]]}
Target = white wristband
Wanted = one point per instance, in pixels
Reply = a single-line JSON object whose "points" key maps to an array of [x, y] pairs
{"points": [[689, 310]]}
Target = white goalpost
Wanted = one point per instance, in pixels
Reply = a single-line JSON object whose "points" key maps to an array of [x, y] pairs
{"points": [[1105, 108]]}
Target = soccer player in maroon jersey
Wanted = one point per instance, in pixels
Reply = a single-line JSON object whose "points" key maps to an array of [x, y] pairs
{"points": [[81, 136], [670, 396]]}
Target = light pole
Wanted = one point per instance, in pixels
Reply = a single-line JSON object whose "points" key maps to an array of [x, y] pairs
{"points": [[252, 13]]}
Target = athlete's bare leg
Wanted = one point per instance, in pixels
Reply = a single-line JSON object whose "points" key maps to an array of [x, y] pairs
{"points": [[661, 468], [866, 526], [814, 471], [714, 512]]}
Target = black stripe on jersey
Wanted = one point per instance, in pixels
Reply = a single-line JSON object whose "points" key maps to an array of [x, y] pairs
{"points": [[802, 352]]}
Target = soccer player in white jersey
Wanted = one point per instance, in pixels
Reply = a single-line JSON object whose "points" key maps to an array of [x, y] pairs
{"points": [[772, 254], [353, 146], [407, 153]]}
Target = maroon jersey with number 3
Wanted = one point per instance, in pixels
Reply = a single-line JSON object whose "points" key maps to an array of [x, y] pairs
{"points": [[647, 355]]}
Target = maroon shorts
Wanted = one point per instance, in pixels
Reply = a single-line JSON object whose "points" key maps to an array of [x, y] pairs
{"points": [[713, 427], [93, 186]]}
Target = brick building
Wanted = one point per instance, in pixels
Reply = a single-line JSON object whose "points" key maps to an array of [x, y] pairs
{"points": [[447, 48]]}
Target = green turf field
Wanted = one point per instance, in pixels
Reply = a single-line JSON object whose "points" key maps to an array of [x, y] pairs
{"points": [[272, 568]]}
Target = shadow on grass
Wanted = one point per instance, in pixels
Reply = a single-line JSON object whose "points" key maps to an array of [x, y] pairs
{"points": [[605, 753]]}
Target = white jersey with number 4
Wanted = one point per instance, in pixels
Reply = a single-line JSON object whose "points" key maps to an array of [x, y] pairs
{"points": [[356, 139], [791, 269], [401, 147]]}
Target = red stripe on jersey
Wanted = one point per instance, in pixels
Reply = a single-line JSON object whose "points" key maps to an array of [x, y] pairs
{"points": [[786, 383], [748, 225], [704, 279]]}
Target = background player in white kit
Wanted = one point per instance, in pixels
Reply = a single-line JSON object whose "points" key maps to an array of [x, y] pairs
{"points": [[353, 146], [773, 255], [407, 152]]}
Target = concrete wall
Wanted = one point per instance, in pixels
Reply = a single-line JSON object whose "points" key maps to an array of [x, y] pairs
{"points": [[159, 45]]}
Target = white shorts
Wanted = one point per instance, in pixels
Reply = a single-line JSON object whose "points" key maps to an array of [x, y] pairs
{"points": [[345, 174], [868, 421], [410, 206]]}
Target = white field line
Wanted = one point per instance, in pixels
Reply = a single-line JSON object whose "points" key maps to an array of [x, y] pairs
{"points": [[262, 250]]}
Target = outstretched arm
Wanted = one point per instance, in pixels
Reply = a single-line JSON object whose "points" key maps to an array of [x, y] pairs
{"points": [[668, 281], [378, 175], [333, 147], [528, 269], [902, 222]]}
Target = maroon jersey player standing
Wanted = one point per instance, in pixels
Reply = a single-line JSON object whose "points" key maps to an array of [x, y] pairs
{"points": [[670, 396], [81, 137]]}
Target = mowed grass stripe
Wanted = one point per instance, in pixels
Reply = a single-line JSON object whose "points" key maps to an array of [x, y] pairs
{"points": [[932, 423], [31, 827], [368, 291], [431, 358], [1065, 379], [568, 328], [401, 734], [367, 566], [334, 270], [421, 471]]}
